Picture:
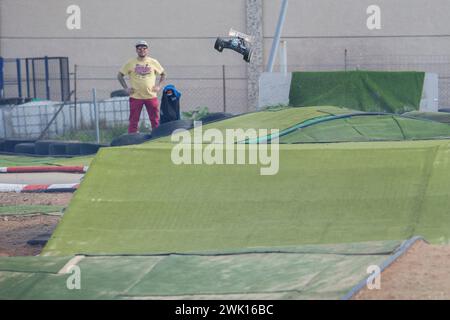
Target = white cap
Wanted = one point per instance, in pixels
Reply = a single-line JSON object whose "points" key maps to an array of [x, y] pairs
{"points": [[141, 43]]}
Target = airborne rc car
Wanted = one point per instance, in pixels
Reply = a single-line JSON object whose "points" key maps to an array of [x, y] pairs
{"points": [[236, 41]]}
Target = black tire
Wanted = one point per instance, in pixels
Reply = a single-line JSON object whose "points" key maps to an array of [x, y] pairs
{"points": [[119, 93], [73, 149], [167, 128], [90, 148], [10, 144], [248, 55], [218, 45], [26, 148], [42, 146], [215, 116], [57, 149], [130, 138]]}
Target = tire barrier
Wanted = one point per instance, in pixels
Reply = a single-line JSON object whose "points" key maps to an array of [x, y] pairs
{"points": [[25, 148], [215, 116], [57, 148], [90, 148], [51, 147], [130, 138], [42, 147], [73, 149], [10, 144], [167, 128]]}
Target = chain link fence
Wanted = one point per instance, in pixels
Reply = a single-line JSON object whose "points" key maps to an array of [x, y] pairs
{"points": [[219, 88]]}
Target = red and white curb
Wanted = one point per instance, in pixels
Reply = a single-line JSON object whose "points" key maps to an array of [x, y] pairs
{"points": [[68, 187], [67, 169]]}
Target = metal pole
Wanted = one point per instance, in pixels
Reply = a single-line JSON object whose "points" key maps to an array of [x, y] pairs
{"points": [[47, 86], [1, 78], [97, 130], [63, 98], [34, 77], [27, 72], [19, 78], [224, 89], [283, 57], [75, 96], [276, 38]]}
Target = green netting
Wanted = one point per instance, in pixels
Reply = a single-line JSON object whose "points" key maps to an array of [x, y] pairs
{"points": [[135, 200], [368, 128], [443, 117], [278, 119], [299, 272], [394, 92]]}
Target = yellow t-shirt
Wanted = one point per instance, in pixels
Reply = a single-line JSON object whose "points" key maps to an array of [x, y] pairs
{"points": [[142, 75]]}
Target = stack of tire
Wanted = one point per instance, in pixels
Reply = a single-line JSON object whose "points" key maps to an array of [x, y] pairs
{"points": [[48, 147], [75, 148], [163, 130], [166, 129]]}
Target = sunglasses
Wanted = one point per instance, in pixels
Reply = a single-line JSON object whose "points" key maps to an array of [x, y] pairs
{"points": [[141, 48]]}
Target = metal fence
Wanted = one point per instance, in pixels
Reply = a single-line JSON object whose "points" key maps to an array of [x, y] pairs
{"points": [[220, 88], [30, 120], [45, 78]]}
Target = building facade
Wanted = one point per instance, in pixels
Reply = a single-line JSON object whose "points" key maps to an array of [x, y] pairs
{"points": [[99, 36]]}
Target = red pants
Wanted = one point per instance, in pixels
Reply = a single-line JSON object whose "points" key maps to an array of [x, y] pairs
{"points": [[135, 113]]}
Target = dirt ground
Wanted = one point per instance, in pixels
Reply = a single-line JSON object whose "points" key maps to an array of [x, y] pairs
{"points": [[423, 272], [15, 231]]}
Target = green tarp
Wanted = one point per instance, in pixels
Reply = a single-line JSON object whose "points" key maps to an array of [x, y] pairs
{"points": [[136, 200], [227, 232], [394, 92], [298, 272]]}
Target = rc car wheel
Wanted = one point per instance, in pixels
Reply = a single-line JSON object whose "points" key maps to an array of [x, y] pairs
{"points": [[218, 45], [248, 55]]}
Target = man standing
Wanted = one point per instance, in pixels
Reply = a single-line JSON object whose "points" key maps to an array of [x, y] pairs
{"points": [[143, 90]]}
